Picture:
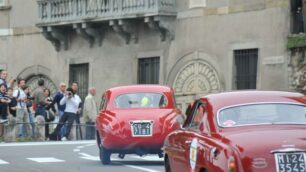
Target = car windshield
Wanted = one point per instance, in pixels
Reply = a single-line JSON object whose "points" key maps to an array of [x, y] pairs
{"points": [[265, 113], [141, 100]]}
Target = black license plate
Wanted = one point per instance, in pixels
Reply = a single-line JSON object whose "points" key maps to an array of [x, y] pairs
{"points": [[142, 129], [290, 162]]}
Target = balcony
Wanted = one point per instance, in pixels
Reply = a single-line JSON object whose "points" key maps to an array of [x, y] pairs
{"points": [[87, 16]]}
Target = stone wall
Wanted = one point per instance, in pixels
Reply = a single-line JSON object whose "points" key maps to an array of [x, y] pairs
{"points": [[297, 70]]}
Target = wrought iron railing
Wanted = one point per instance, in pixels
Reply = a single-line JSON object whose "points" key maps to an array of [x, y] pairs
{"points": [[67, 11]]}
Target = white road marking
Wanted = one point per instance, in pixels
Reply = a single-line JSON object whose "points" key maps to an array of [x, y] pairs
{"points": [[76, 150], [3, 162], [45, 160], [140, 168], [85, 154], [147, 158], [96, 158], [47, 143], [90, 145], [80, 147]]}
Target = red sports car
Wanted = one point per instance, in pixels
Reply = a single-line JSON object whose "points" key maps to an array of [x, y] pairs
{"points": [[244, 131], [135, 120]]}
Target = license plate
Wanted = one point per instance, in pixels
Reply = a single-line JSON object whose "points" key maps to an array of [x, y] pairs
{"points": [[290, 162], [141, 129]]}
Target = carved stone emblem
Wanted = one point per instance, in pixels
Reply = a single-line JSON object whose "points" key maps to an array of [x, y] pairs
{"points": [[196, 77], [32, 83]]}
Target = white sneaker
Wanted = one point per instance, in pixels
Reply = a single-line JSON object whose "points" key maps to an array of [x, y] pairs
{"points": [[64, 139], [3, 121]]}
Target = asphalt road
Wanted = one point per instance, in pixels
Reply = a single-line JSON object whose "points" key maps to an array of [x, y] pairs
{"points": [[69, 157]]}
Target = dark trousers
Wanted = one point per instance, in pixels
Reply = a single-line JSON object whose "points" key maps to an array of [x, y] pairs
{"points": [[67, 117], [90, 130]]}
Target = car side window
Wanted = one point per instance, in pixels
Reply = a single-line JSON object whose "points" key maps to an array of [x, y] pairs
{"points": [[103, 102], [198, 116]]}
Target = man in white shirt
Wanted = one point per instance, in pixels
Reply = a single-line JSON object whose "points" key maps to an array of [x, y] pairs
{"points": [[72, 105], [22, 115]]}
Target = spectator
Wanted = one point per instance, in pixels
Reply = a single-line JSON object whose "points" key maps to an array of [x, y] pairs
{"points": [[75, 88], [40, 99], [22, 112], [61, 108], [4, 101], [29, 103], [90, 113], [72, 105], [50, 111], [3, 77], [13, 103]]}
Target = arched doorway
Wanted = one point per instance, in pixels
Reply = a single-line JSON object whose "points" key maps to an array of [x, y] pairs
{"points": [[33, 73], [192, 77]]}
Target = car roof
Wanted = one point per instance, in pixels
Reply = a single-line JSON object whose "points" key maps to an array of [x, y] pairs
{"points": [[139, 88], [219, 100]]}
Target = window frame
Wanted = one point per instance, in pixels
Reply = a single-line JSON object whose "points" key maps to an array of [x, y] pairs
{"points": [[140, 71], [250, 83], [163, 94], [190, 118], [248, 104]]}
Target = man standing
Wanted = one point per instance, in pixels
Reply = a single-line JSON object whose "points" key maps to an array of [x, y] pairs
{"points": [[40, 99], [72, 104], [75, 88], [22, 112], [90, 113]]}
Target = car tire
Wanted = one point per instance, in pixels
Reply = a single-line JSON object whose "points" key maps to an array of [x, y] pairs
{"points": [[105, 156], [167, 165]]}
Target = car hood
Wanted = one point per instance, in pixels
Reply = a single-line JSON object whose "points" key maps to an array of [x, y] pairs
{"points": [[256, 144]]}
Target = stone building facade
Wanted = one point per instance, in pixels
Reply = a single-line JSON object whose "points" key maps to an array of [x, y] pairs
{"points": [[195, 46]]}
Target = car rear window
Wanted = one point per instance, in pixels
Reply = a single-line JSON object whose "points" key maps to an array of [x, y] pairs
{"points": [[265, 113], [141, 100]]}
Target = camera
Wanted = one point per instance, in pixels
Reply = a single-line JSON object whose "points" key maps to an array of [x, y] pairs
{"points": [[69, 93], [30, 98]]}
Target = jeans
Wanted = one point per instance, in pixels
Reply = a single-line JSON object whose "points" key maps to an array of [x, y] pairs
{"points": [[64, 127], [69, 117], [41, 110], [23, 118], [32, 122]]}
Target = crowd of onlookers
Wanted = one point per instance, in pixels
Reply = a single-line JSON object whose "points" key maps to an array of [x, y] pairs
{"points": [[25, 106]]}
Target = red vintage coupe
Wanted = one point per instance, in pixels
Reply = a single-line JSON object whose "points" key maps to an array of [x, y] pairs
{"points": [[244, 131], [135, 120]]}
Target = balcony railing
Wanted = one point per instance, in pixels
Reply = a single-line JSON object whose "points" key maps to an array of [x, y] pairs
{"points": [[59, 12]]}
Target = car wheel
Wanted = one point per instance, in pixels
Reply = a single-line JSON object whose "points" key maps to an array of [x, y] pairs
{"points": [[105, 156], [167, 165]]}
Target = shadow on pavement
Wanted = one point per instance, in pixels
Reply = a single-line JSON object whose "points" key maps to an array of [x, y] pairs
{"points": [[137, 163]]}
